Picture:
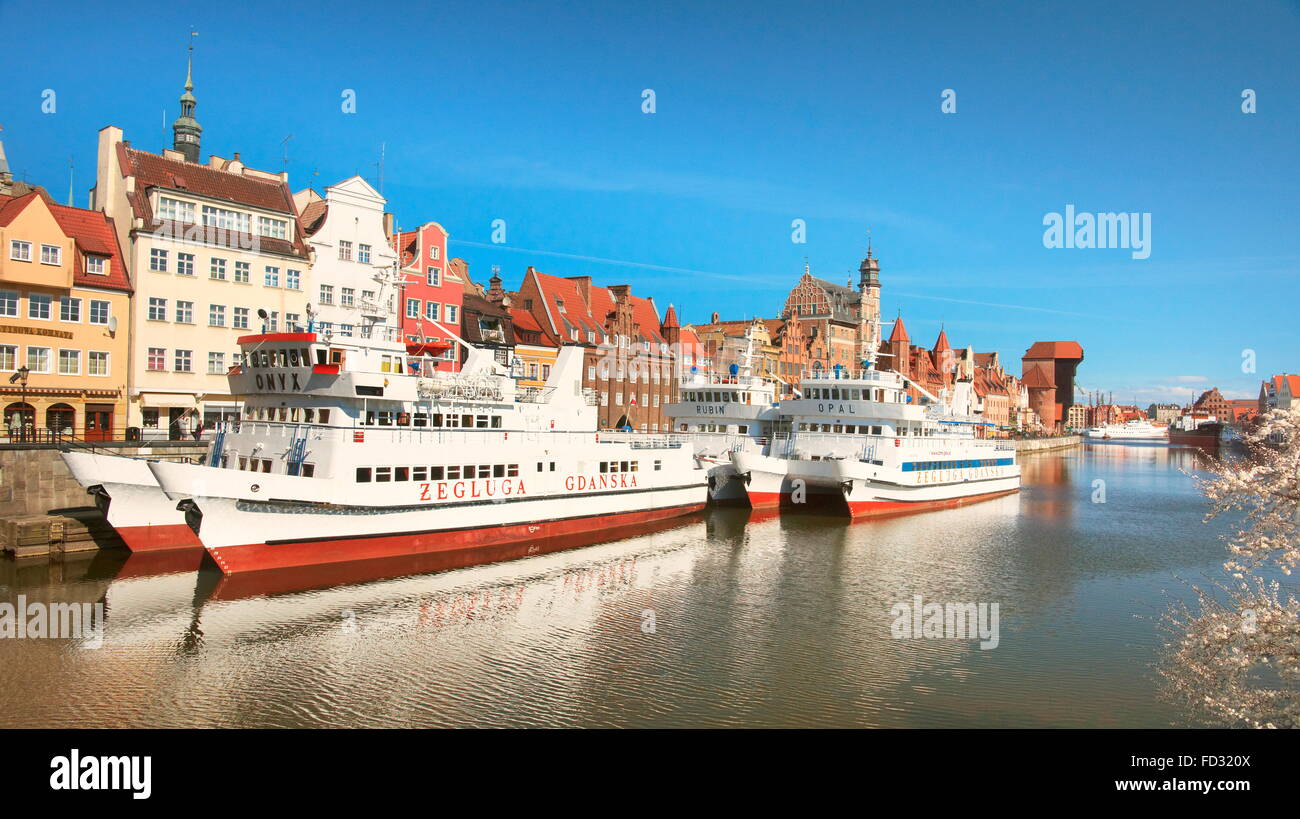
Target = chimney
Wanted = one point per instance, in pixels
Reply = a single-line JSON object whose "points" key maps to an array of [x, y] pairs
{"points": [[584, 287], [620, 292], [389, 224]]}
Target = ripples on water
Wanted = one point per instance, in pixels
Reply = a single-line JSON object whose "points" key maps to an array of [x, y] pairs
{"points": [[782, 621]]}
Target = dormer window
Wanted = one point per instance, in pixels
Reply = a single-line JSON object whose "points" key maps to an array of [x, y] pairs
{"points": [[272, 228], [225, 219], [559, 304], [175, 210], [97, 265]]}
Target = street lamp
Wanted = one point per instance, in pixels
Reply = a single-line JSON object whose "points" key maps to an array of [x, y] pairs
{"points": [[21, 376]]}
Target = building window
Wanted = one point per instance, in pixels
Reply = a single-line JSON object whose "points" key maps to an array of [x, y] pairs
{"points": [[38, 306], [239, 319], [216, 363], [291, 322], [434, 253], [20, 251], [97, 362], [346, 330], [176, 210], [225, 219], [99, 311], [326, 294], [293, 279], [451, 314], [347, 296], [272, 277], [184, 361], [412, 308], [363, 254], [8, 357], [69, 362], [96, 265], [431, 310], [38, 359], [51, 254], [158, 260], [216, 315], [272, 228], [157, 309], [345, 251], [185, 312], [434, 277], [69, 309], [272, 321], [217, 269], [157, 359], [184, 264], [242, 271], [8, 303]]}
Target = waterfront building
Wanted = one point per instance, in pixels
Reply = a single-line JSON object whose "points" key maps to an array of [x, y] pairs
{"points": [[1279, 392], [431, 292], [1163, 413], [1077, 417], [842, 323], [352, 282], [632, 358], [215, 251], [64, 312], [1212, 403], [745, 343], [1048, 369]]}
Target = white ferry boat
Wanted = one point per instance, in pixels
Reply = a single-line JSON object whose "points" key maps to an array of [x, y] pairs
{"points": [[1139, 429], [722, 414], [351, 452], [131, 500], [858, 441]]}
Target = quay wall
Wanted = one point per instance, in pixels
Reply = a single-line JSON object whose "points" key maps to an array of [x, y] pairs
{"points": [[34, 481], [1041, 444]]}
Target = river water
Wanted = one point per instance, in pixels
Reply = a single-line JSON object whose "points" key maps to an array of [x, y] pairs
{"points": [[723, 620]]}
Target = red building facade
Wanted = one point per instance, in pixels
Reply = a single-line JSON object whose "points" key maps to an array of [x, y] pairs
{"points": [[431, 292]]}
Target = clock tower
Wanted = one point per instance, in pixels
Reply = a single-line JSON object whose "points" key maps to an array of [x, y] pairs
{"points": [[186, 130]]}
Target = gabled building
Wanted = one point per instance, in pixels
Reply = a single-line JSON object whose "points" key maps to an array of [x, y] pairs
{"points": [[1279, 392], [841, 324], [1212, 403], [631, 355], [432, 292], [64, 313], [353, 280], [215, 251]]}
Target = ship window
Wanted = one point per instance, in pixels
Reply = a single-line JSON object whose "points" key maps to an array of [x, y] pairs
{"points": [[622, 467], [744, 429], [309, 415], [498, 470], [266, 464], [295, 415], [552, 466], [636, 466], [467, 421], [435, 473], [604, 466], [453, 473], [659, 465], [308, 470], [419, 473], [485, 471], [481, 422], [401, 473], [320, 355], [496, 422], [436, 419], [512, 471], [243, 462], [539, 466], [324, 416], [383, 474], [421, 419]]}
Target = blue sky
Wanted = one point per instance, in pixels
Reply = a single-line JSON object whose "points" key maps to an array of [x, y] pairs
{"points": [[765, 113]]}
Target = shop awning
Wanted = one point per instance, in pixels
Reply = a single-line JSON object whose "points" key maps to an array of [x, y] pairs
{"points": [[166, 399]]}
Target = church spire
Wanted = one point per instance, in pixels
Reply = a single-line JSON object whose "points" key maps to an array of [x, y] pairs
{"points": [[186, 130]]}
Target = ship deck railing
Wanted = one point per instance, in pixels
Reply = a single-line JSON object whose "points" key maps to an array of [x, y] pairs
{"points": [[362, 434]]}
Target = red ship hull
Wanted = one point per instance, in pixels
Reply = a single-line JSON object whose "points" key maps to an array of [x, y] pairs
{"points": [[162, 538], [462, 547]]}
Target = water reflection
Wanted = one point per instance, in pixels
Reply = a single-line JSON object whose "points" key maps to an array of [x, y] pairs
{"points": [[731, 618]]}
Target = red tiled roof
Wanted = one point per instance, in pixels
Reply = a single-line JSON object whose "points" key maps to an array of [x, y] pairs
{"points": [[92, 231], [899, 332], [670, 318], [313, 216], [590, 316], [941, 343], [154, 171], [1054, 349], [1038, 378]]}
